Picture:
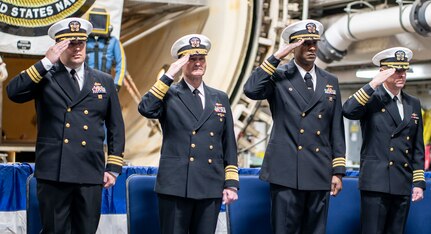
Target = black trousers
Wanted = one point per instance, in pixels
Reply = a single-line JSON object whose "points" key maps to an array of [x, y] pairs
{"points": [[180, 215], [69, 208], [298, 211], [383, 212]]}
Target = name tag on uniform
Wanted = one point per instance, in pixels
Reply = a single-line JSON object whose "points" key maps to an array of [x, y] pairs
{"points": [[98, 88]]}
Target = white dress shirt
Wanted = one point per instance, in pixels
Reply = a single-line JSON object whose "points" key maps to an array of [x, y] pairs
{"points": [[79, 71], [201, 92], [399, 102], [312, 72]]}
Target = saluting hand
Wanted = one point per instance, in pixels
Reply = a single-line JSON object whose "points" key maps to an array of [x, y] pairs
{"points": [[417, 194], [336, 185], [229, 196], [54, 52], [177, 65], [381, 77], [286, 49]]}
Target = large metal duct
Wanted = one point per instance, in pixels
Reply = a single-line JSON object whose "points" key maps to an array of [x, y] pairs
{"points": [[413, 18]]}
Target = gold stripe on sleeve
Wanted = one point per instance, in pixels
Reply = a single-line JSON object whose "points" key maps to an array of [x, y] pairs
{"points": [[339, 162], [231, 173], [161, 86]]}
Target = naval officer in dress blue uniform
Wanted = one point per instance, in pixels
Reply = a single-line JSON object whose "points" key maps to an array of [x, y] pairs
{"points": [[72, 102], [198, 163], [305, 158], [392, 153]]}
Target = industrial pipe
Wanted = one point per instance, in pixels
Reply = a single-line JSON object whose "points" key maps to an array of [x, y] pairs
{"points": [[413, 18]]}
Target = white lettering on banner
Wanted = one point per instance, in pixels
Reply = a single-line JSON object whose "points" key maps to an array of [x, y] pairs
{"points": [[22, 11], [63, 5], [3, 8], [49, 10], [67, 3], [29, 10], [31, 13], [37, 16], [59, 6], [14, 12]]}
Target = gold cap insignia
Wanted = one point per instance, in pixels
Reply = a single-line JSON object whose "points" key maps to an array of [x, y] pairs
{"points": [[74, 26]]}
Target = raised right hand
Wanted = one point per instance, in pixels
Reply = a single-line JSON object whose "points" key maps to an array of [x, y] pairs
{"points": [[54, 52], [286, 49], [381, 77], [177, 65]]}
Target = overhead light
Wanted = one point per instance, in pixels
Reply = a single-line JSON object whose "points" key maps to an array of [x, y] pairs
{"points": [[417, 71], [367, 73]]}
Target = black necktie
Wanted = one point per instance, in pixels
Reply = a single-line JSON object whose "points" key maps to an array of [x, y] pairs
{"points": [[75, 80], [395, 99], [198, 101], [309, 82]]}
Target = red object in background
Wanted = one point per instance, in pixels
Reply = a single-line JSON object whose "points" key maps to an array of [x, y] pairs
{"points": [[427, 157]]}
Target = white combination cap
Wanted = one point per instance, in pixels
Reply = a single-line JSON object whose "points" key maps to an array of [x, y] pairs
{"points": [[396, 57], [70, 29], [191, 44], [305, 29]]}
